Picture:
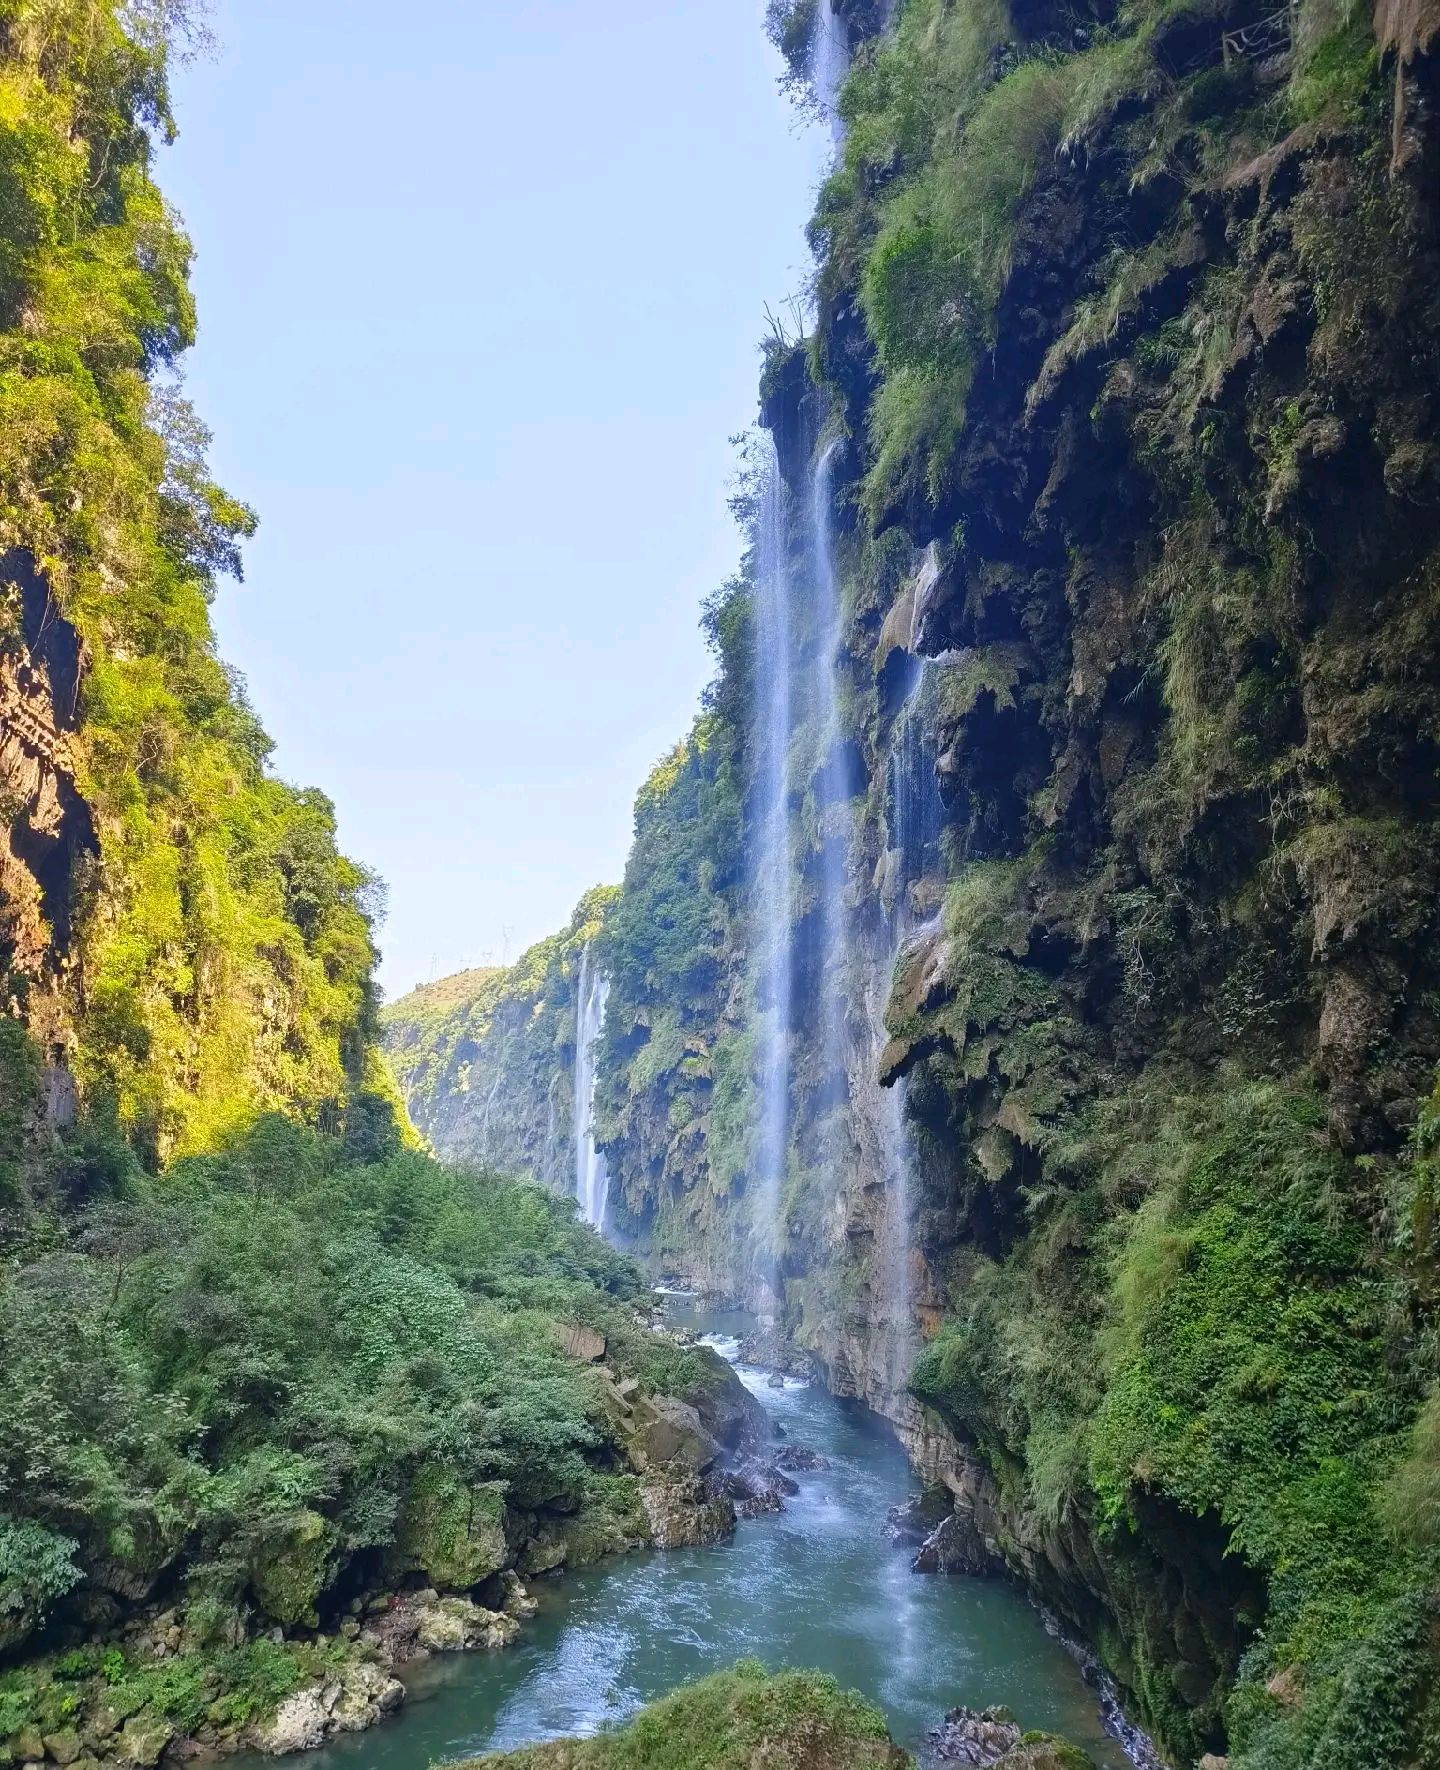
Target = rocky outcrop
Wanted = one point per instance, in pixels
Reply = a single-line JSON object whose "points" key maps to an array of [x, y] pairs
{"points": [[50, 837], [486, 1059], [358, 1696]]}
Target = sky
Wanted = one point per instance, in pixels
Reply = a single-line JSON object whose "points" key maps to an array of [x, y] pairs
{"points": [[480, 292]]}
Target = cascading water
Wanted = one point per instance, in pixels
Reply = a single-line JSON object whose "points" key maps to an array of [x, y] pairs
{"points": [[592, 1177], [916, 816], [771, 884], [830, 786]]}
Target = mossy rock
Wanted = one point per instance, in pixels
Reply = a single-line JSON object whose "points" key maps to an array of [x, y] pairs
{"points": [[732, 1721], [293, 1569], [1045, 1751], [452, 1532], [611, 1521]]}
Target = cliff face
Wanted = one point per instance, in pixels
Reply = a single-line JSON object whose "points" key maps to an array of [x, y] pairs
{"points": [[486, 1059], [179, 936], [1108, 981]]}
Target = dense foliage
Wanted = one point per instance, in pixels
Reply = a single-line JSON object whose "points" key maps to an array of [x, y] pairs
{"points": [[1126, 322], [226, 1386], [212, 949]]}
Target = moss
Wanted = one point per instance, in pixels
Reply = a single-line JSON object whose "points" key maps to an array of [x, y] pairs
{"points": [[611, 1521], [795, 1721], [294, 1568], [451, 1531]]}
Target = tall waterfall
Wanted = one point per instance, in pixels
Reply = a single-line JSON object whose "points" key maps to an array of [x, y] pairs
{"points": [[915, 817], [592, 1178], [774, 659], [830, 783]]}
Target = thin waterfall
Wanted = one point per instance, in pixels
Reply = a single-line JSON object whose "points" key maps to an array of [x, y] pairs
{"points": [[914, 810], [829, 63], [772, 895], [916, 817], [592, 1177], [830, 784]]}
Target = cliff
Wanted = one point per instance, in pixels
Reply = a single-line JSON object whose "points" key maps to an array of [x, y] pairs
{"points": [[179, 935], [486, 1059], [1061, 832]]}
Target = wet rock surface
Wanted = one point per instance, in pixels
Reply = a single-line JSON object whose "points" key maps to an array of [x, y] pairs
{"points": [[979, 1737]]}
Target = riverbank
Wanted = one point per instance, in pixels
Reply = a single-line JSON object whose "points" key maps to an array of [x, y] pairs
{"points": [[818, 1583]]}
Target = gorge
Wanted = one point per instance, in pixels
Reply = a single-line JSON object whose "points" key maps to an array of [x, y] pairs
{"points": [[1020, 1011], [1022, 978]]}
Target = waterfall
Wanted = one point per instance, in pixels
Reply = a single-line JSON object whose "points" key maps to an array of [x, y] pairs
{"points": [[915, 816], [771, 883], [830, 786], [914, 812], [592, 1178], [829, 63]]}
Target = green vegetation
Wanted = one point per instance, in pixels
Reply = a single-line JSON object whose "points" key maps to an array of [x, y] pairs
{"points": [[1193, 1319], [223, 945], [278, 1367], [731, 1721], [515, 1028], [223, 1686]]}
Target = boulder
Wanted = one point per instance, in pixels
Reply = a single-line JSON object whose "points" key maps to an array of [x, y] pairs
{"points": [[800, 1459], [956, 1546], [979, 1737], [545, 1551], [682, 1515], [299, 1724], [675, 1439], [516, 1601], [367, 1694], [64, 1747], [288, 1574], [143, 1738], [450, 1531], [917, 1519], [456, 1625], [423, 1623]]}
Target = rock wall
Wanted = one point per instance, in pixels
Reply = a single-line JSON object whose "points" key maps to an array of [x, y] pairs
{"points": [[1114, 1183], [486, 1059]]}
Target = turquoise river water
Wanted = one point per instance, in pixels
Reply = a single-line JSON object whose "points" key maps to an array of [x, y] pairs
{"points": [[819, 1584]]}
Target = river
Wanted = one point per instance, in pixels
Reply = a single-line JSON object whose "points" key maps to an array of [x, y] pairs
{"points": [[819, 1584]]}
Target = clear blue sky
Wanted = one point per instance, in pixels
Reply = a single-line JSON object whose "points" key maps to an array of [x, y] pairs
{"points": [[480, 289]]}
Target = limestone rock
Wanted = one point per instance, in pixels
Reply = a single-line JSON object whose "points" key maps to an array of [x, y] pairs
{"points": [[676, 1439], [955, 1546], [299, 1724], [516, 1602], [422, 1623], [452, 1532], [978, 1737], [457, 1625], [143, 1738], [578, 1341], [291, 1571], [682, 1515], [367, 1693]]}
